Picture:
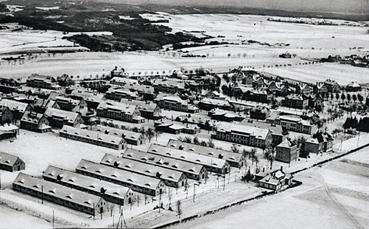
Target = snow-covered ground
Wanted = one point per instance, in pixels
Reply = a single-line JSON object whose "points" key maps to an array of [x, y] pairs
{"points": [[334, 196], [306, 41]]}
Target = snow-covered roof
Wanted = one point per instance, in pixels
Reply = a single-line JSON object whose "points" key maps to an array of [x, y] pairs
{"points": [[7, 159], [69, 116], [167, 162], [120, 107], [14, 105], [142, 168], [57, 190], [187, 156], [118, 175], [243, 129], [126, 134], [203, 150], [85, 182], [90, 134]]}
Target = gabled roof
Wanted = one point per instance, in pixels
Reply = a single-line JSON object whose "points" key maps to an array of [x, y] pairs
{"points": [[32, 117], [93, 135], [121, 107], [167, 162], [57, 190], [14, 105], [285, 144], [118, 174], [86, 182], [203, 150], [142, 105], [141, 168], [69, 116], [126, 134], [186, 156], [7, 159], [243, 129]]}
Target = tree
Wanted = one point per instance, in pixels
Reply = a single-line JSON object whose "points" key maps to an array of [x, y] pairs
{"points": [[187, 139], [252, 153], [179, 208], [337, 96], [269, 155], [245, 153], [354, 97], [343, 97], [348, 97], [360, 98], [211, 143], [235, 149], [150, 133], [196, 141]]}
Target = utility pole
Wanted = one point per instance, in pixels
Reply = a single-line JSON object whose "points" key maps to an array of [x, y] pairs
{"points": [[53, 220], [224, 181], [42, 194], [194, 191]]}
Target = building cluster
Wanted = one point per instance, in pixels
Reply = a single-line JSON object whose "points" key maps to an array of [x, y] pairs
{"points": [[252, 109]]}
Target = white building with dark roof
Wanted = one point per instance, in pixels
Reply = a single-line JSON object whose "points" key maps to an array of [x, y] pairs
{"points": [[139, 183], [111, 192]]}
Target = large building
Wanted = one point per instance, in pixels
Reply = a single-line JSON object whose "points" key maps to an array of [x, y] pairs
{"points": [[245, 135], [33, 121], [118, 94], [175, 103], [191, 170], [209, 104], [169, 86], [211, 164], [131, 137], [296, 124], [170, 177], [148, 109], [6, 116], [74, 105], [58, 118], [295, 101], [234, 159], [286, 152], [17, 108], [45, 82], [59, 194], [139, 183], [119, 111], [111, 192], [93, 137], [92, 98], [11, 163]]}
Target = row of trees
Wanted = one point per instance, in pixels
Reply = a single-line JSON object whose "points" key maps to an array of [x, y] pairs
{"points": [[360, 124], [196, 141]]}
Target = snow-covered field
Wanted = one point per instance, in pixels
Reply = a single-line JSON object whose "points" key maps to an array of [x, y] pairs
{"points": [[306, 41], [343, 74], [335, 196]]}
